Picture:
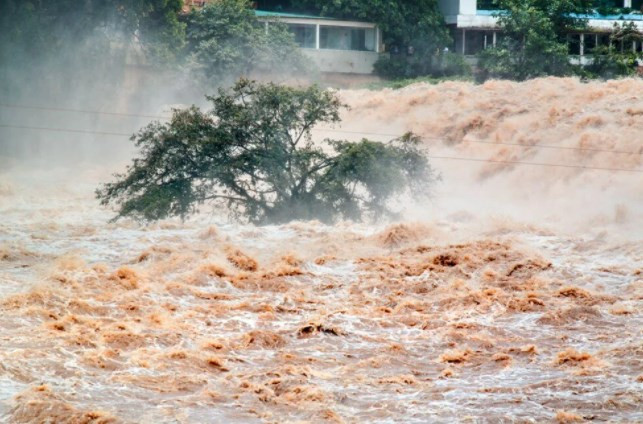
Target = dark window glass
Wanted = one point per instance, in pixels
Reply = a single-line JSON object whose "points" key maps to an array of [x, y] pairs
{"points": [[487, 5], [590, 43], [608, 3], [346, 38], [573, 42], [487, 39], [474, 42], [304, 35], [604, 40], [617, 45]]}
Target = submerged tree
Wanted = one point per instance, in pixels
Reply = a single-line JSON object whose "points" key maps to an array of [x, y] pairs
{"points": [[254, 155]]}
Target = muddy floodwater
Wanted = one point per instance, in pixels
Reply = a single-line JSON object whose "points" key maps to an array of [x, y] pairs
{"points": [[516, 295]]}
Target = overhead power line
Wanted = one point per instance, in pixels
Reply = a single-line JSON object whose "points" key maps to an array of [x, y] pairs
{"points": [[331, 130], [89, 112], [555, 165], [64, 130], [430, 156]]}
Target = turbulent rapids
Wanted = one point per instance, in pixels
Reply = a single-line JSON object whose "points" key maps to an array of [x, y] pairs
{"points": [[516, 295]]}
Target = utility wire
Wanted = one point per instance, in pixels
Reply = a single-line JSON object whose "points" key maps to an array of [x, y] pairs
{"points": [[556, 165], [89, 112], [65, 130], [331, 130], [430, 157], [547, 146]]}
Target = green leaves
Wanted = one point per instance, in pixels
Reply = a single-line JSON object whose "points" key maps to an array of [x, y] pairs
{"points": [[617, 59], [533, 42], [253, 155], [225, 40]]}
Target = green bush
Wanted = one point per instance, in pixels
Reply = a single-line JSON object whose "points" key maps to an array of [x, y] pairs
{"points": [[608, 63], [611, 62], [416, 65]]}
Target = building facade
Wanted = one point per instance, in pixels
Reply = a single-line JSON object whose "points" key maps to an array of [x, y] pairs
{"points": [[333, 45], [474, 27]]}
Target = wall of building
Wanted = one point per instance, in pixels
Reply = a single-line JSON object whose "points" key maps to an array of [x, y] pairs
{"points": [[458, 7], [449, 7], [468, 7], [331, 43], [342, 61]]}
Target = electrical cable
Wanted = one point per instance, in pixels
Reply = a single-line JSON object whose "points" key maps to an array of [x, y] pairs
{"points": [[430, 156]]}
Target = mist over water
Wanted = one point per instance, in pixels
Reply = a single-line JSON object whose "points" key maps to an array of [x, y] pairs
{"points": [[568, 122], [515, 294]]}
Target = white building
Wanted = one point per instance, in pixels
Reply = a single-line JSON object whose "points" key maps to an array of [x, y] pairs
{"points": [[475, 28], [335, 46]]}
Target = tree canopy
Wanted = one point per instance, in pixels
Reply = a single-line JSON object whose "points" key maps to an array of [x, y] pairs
{"points": [[54, 46], [47, 27], [253, 154], [617, 59], [533, 41], [225, 40]]}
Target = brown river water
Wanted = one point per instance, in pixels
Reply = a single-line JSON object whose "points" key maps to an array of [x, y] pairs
{"points": [[515, 295]]}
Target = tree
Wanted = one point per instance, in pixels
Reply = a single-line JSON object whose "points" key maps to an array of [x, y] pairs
{"points": [[416, 24], [225, 40], [253, 154], [617, 59], [160, 30], [47, 27], [534, 38], [66, 41]]}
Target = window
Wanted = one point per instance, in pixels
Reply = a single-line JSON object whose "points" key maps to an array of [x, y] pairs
{"points": [[488, 39], [573, 41], [603, 40], [474, 42], [487, 5], [346, 38], [617, 45], [608, 3], [305, 35], [590, 43]]}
